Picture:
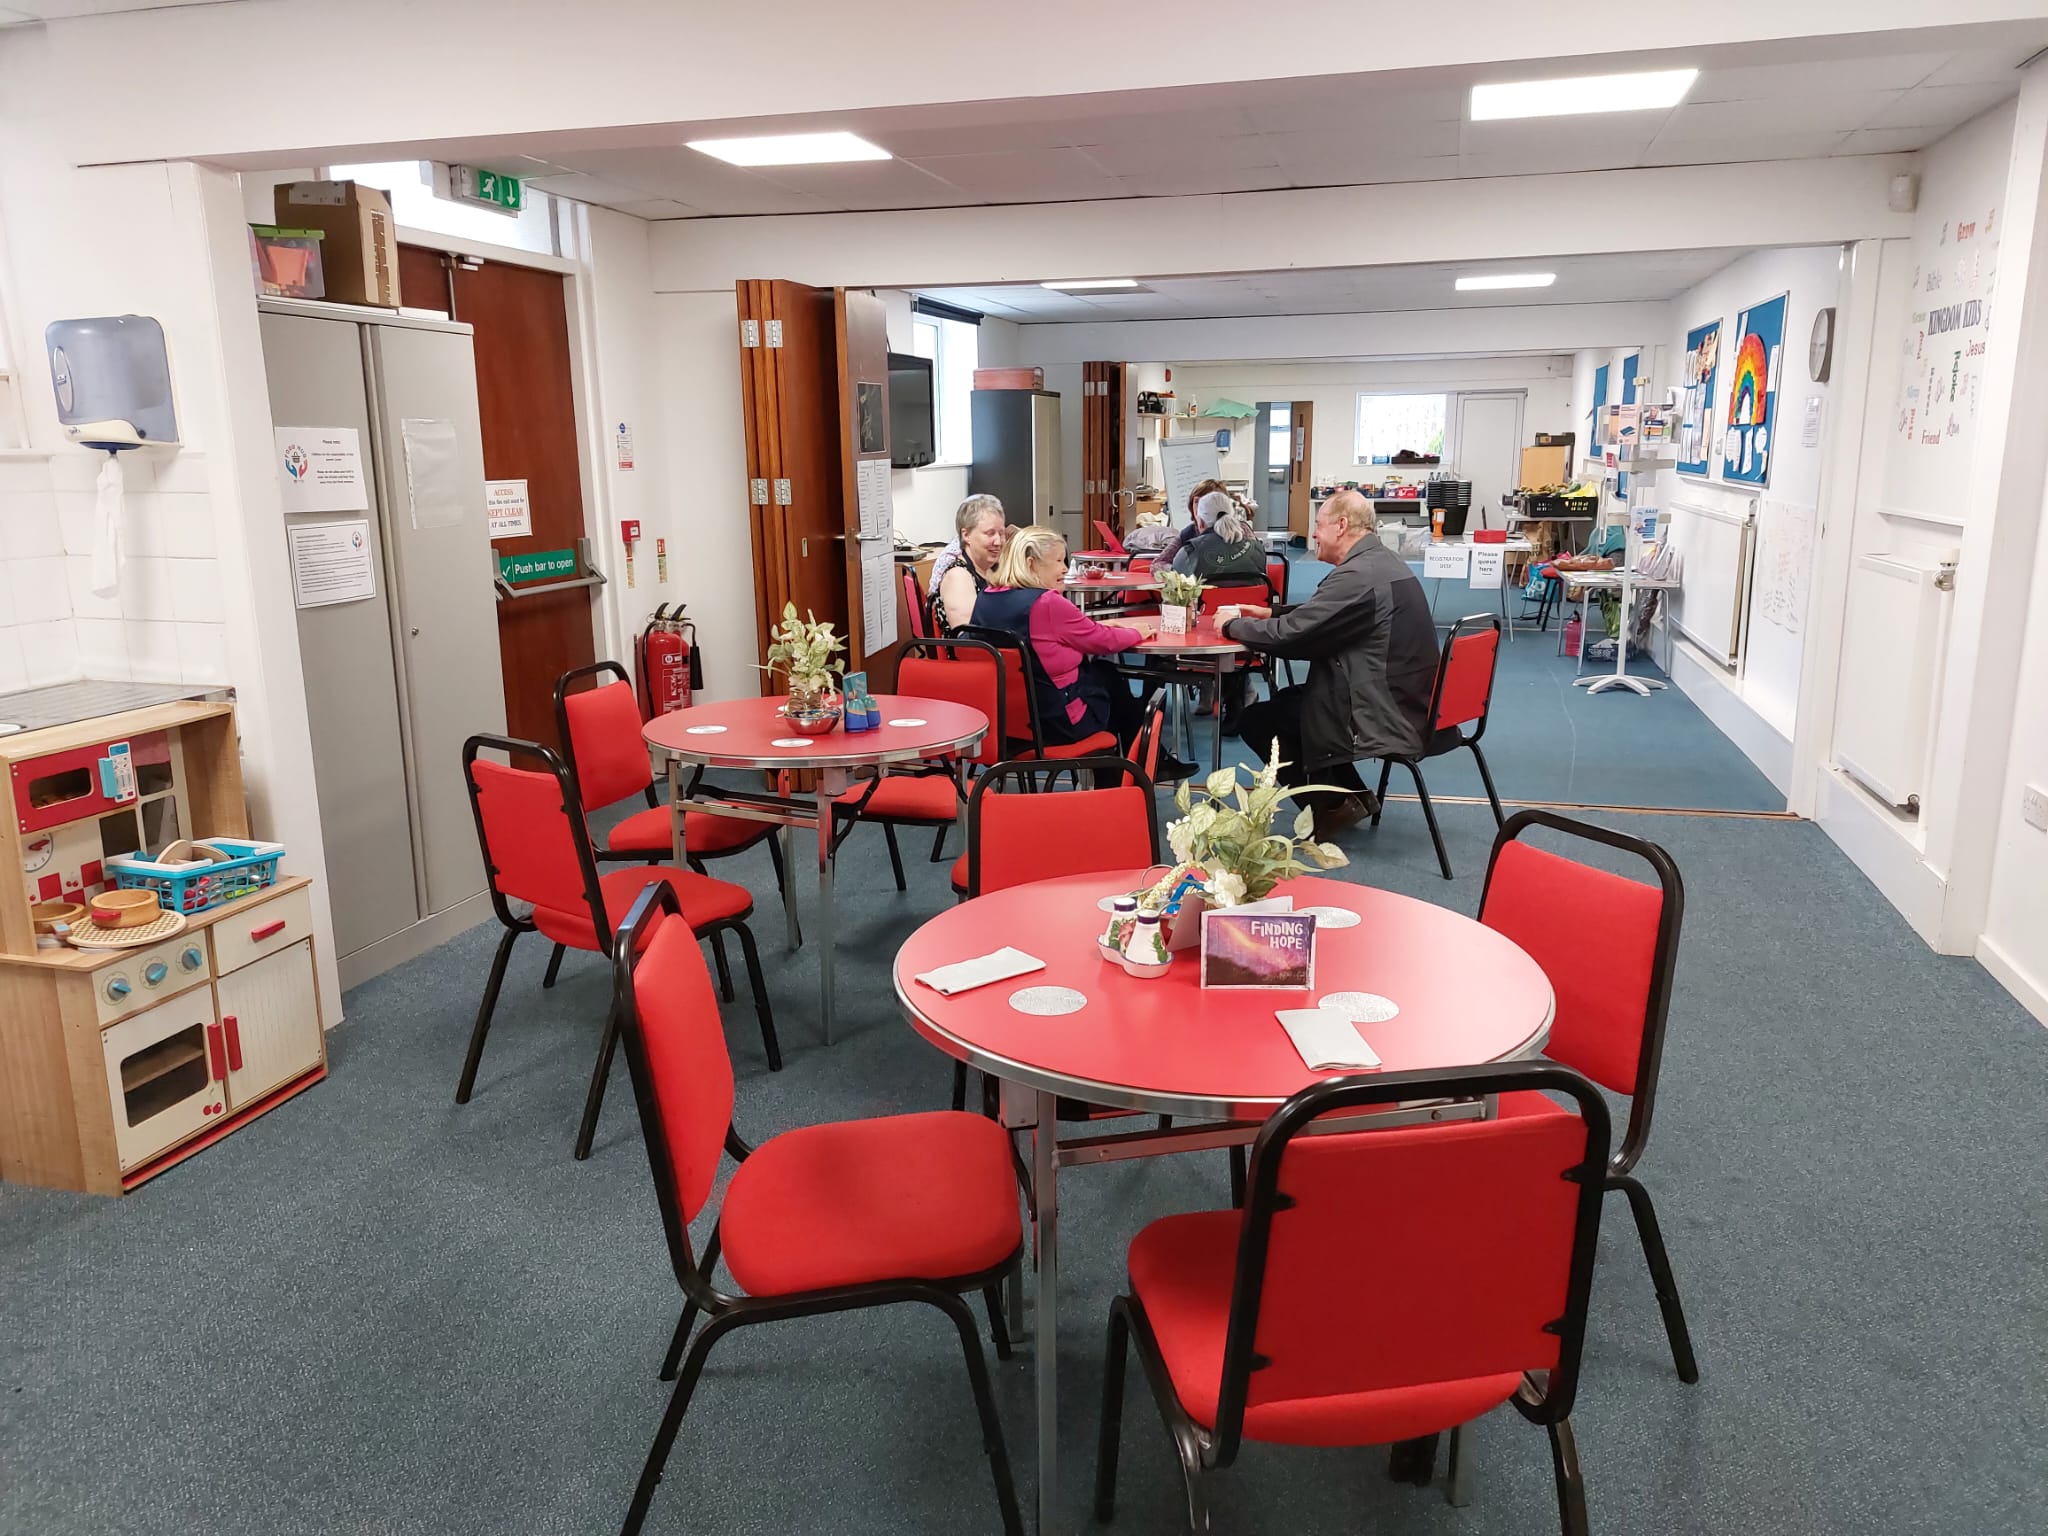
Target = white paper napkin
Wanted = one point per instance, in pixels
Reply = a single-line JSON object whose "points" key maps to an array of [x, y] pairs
{"points": [[1326, 1039], [966, 975]]}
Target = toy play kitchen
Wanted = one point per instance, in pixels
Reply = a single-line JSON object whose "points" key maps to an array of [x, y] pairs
{"points": [[156, 968]]}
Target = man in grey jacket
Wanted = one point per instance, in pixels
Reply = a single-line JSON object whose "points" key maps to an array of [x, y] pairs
{"points": [[1370, 642]]}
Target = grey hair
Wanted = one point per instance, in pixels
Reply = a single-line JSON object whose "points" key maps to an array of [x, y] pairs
{"points": [[1212, 506], [969, 511], [1233, 527], [1353, 510]]}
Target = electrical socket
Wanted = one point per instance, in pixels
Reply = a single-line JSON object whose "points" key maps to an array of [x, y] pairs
{"points": [[2034, 806]]}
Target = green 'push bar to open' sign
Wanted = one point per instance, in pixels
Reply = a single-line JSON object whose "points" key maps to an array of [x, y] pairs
{"points": [[538, 566]]}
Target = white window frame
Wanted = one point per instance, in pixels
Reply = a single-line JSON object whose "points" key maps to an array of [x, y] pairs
{"points": [[948, 368], [1363, 459]]}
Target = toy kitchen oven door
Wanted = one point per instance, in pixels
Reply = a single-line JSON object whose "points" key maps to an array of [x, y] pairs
{"points": [[75, 809]]}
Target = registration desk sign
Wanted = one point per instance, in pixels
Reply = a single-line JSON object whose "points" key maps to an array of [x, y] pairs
{"points": [[539, 566], [1259, 949]]}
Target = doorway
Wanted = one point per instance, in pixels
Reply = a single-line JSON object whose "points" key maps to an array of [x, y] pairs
{"points": [[520, 316], [1489, 443], [1271, 452]]}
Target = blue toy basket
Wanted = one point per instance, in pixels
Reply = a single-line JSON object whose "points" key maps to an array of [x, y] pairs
{"points": [[190, 888]]}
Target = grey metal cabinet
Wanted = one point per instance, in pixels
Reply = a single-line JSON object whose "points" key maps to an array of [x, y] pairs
{"points": [[1017, 452]]}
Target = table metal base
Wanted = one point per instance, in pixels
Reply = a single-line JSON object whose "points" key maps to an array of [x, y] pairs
{"points": [[1606, 680]]}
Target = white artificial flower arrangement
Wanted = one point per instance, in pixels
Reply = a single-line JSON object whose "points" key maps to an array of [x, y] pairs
{"points": [[1224, 841]]}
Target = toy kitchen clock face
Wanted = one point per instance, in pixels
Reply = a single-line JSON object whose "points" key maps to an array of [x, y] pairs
{"points": [[1821, 350], [38, 853]]}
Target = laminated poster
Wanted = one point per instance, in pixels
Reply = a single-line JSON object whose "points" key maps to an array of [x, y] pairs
{"points": [[433, 476]]}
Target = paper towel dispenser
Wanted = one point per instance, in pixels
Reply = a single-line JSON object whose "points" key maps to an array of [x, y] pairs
{"points": [[113, 381]]}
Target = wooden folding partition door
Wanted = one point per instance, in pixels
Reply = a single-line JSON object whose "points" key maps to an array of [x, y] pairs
{"points": [[1102, 447], [1302, 415], [863, 347]]}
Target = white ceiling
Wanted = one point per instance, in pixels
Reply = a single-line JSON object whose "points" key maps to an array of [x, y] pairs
{"points": [[1621, 277], [1793, 100], [16, 12]]}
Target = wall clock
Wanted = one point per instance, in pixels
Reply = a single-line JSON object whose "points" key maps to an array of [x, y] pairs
{"points": [[1820, 352]]}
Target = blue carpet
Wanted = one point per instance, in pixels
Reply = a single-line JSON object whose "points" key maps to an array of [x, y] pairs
{"points": [[376, 1312]]}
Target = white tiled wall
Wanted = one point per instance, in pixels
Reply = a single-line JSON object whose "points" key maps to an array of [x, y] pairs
{"points": [[164, 625]]}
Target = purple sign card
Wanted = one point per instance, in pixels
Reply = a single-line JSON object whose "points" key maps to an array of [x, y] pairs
{"points": [[1267, 950]]}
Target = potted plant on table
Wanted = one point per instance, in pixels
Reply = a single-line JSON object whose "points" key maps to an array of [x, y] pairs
{"points": [[1180, 599], [803, 649]]}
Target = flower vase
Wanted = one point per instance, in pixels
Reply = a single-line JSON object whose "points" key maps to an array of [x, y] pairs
{"points": [[813, 704], [1123, 918], [1145, 954], [1175, 619]]}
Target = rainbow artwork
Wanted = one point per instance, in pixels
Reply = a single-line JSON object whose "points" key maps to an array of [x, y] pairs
{"points": [[1751, 405], [1753, 392]]}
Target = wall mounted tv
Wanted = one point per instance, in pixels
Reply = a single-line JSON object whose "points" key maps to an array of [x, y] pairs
{"points": [[912, 433]]}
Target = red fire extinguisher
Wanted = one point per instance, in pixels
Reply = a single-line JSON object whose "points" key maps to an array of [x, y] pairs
{"points": [[670, 664]]}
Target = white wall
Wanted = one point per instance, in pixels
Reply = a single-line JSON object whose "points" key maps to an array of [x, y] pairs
{"points": [[2015, 941]]}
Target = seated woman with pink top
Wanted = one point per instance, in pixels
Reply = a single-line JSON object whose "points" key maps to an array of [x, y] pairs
{"points": [[1084, 696]]}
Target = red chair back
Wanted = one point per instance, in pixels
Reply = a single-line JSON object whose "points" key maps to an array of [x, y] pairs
{"points": [[1276, 576], [914, 604], [1610, 1014], [1145, 746], [1020, 703], [600, 730], [1015, 837], [1110, 541], [960, 671], [529, 825], [1214, 598], [1464, 674], [676, 1051], [1429, 1253]]}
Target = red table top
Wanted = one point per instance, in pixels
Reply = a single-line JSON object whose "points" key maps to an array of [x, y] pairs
{"points": [[1203, 640], [1466, 994], [1115, 581], [749, 729]]}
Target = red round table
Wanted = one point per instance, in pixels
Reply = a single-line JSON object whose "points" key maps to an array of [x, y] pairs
{"points": [[1467, 995], [752, 733], [1204, 650]]}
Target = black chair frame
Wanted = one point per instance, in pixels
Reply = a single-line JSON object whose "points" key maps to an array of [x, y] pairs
{"points": [[1034, 673], [725, 1311], [1642, 1104], [1413, 764], [1544, 1398], [593, 896], [845, 818]]}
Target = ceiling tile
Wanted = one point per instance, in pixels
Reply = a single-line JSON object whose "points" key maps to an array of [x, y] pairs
{"points": [[974, 138], [1355, 152], [1790, 113], [586, 189], [1025, 176], [1134, 157], [659, 208], [1772, 146], [1826, 77], [1203, 181], [867, 184], [1618, 136], [1180, 126], [1888, 141], [1538, 162], [1325, 106], [1998, 66], [682, 175], [1943, 106]]}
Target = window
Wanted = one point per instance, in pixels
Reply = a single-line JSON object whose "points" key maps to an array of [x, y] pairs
{"points": [[416, 205], [955, 350], [1391, 424], [1280, 433]]}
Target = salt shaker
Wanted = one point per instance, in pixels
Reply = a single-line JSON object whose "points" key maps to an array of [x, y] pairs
{"points": [[1123, 917]]}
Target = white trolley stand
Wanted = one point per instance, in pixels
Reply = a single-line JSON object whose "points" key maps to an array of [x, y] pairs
{"points": [[1642, 469]]}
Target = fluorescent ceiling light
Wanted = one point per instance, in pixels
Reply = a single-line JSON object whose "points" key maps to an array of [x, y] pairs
{"points": [[1507, 280], [791, 149], [1091, 282], [1585, 93]]}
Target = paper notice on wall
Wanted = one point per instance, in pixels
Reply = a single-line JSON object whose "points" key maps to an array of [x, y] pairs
{"points": [[877, 598], [1440, 561], [320, 469], [331, 563], [622, 441], [433, 479], [1488, 561], [1810, 430], [508, 508], [877, 514]]}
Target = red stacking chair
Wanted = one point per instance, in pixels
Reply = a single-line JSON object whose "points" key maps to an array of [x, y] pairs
{"points": [[537, 850], [1276, 576], [961, 672], [1421, 1276], [1026, 729], [1463, 696], [1110, 541], [916, 605], [1610, 1015], [824, 1218]]}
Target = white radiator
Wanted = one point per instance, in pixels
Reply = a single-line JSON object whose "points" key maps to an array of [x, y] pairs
{"points": [[1714, 548], [1890, 648]]}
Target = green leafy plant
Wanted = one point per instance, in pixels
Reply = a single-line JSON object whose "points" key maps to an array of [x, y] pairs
{"points": [[1225, 838], [1178, 590], [802, 648]]}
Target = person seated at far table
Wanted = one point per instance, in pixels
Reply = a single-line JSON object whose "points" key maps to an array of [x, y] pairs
{"points": [[1224, 553], [1153, 534], [966, 566], [1086, 695], [1370, 642], [1193, 530]]}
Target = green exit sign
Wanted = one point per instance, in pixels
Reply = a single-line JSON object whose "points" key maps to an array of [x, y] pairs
{"points": [[535, 567], [492, 188]]}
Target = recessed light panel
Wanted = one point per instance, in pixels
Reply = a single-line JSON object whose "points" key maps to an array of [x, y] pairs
{"points": [[1506, 280], [1583, 93], [1073, 284], [791, 149]]}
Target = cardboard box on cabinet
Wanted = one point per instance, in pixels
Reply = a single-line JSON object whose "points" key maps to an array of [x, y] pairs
{"points": [[360, 253]]}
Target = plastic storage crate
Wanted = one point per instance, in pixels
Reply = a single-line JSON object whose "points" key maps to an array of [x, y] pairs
{"points": [[190, 888]]}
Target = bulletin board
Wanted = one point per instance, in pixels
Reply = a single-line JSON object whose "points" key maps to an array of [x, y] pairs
{"points": [[1754, 373], [1943, 341], [1696, 398]]}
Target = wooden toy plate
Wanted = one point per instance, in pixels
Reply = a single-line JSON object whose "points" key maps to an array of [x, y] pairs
{"points": [[89, 935]]}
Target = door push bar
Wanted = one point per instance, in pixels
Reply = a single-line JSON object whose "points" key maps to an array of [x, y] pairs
{"points": [[594, 578]]}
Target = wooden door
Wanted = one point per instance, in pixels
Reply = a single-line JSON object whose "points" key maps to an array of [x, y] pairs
{"points": [[1299, 513], [521, 320], [789, 385], [862, 344], [270, 1016], [1102, 448]]}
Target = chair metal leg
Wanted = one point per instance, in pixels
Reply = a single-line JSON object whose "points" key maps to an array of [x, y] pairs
{"points": [[762, 1010], [1413, 1461], [1436, 836], [1571, 1484], [682, 1335], [1237, 1169], [781, 885], [895, 855], [554, 966], [985, 1404], [483, 1016], [671, 1421], [1111, 1434], [959, 1085], [939, 842], [724, 970], [594, 1099], [998, 1330], [1659, 1261], [1486, 778], [1456, 1492], [1379, 797]]}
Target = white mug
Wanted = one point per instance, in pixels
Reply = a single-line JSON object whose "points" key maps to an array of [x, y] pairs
{"points": [[1226, 613]]}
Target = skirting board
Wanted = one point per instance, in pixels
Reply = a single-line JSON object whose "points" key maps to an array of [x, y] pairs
{"points": [[2031, 991], [1887, 856], [360, 965], [1705, 684]]}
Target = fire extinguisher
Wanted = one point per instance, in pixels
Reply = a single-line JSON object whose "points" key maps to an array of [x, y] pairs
{"points": [[671, 666]]}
